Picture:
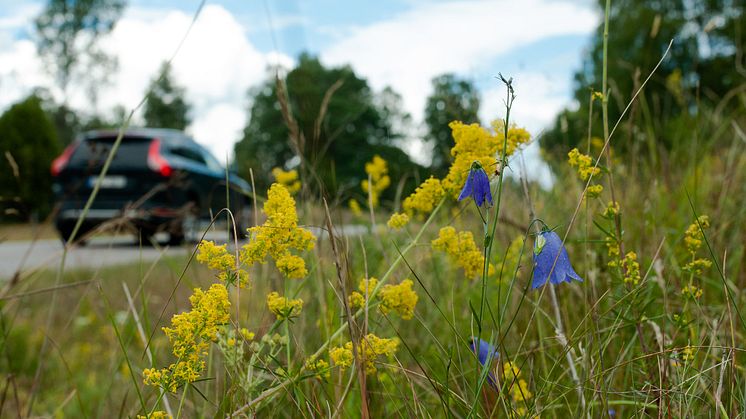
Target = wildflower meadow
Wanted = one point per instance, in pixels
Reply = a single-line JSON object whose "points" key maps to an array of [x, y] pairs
{"points": [[617, 292]]}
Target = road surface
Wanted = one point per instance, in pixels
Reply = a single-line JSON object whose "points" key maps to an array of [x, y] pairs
{"points": [[28, 256]]}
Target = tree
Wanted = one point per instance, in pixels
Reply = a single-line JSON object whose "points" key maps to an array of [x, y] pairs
{"points": [[338, 125], [68, 32], [451, 99], [28, 146], [165, 105], [698, 71]]}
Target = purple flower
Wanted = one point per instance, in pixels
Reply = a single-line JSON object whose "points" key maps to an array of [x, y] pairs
{"points": [[485, 353], [477, 186], [547, 248]]}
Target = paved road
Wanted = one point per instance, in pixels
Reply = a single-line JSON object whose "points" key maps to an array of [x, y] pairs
{"points": [[101, 251], [28, 256]]}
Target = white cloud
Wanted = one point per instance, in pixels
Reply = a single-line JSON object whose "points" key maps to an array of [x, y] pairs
{"points": [[465, 37], [216, 64]]}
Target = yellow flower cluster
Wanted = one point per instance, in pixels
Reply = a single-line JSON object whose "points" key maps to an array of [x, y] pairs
{"points": [[190, 337], [282, 307], [594, 191], [425, 198], [631, 269], [246, 334], [366, 287], [398, 298], [288, 179], [398, 221], [691, 291], [476, 143], [612, 249], [462, 250], [693, 239], [278, 235], [319, 367], [370, 348], [217, 257], [517, 136], [584, 164], [355, 207], [612, 209], [687, 354], [158, 414], [377, 170], [518, 386]]}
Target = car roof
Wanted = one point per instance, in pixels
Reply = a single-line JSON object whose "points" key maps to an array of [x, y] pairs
{"points": [[166, 133]]}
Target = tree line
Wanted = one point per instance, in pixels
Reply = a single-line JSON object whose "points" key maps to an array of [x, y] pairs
{"points": [[328, 121]]}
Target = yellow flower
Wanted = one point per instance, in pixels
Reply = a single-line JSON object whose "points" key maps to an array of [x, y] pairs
{"points": [[398, 221], [694, 237], [691, 291], [399, 298], [279, 235], [631, 269], [366, 287], [318, 366], [288, 179], [511, 371], [584, 164], [356, 300], [370, 348], [425, 198], [215, 257], [246, 334], [612, 248], [190, 337], [158, 414], [377, 170], [355, 207], [687, 354], [476, 143], [697, 266], [612, 209], [594, 191], [283, 307], [461, 249]]}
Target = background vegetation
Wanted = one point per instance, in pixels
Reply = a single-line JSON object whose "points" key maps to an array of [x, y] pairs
{"points": [[643, 349]]}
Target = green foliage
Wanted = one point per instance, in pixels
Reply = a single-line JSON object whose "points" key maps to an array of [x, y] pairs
{"points": [[699, 72], [68, 34], [165, 105], [452, 99], [29, 144], [355, 124]]}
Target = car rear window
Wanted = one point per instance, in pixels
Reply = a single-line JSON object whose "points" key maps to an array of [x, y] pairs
{"points": [[132, 152]]}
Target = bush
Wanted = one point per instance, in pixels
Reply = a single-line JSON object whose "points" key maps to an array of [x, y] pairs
{"points": [[28, 143]]}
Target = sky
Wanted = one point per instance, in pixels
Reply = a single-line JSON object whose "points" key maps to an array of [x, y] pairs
{"points": [[397, 43]]}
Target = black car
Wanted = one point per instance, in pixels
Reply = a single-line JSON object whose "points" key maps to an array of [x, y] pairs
{"points": [[160, 180]]}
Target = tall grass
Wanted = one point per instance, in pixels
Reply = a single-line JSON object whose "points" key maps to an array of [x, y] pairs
{"points": [[600, 348]]}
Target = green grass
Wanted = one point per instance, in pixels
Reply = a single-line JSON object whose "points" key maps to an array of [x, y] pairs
{"points": [[624, 341]]}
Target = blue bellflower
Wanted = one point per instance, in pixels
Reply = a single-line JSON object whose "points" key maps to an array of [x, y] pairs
{"points": [[485, 353], [477, 186], [547, 248]]}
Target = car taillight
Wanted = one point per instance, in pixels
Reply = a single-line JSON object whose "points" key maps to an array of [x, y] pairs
{"points": [[156, 162], [61, 161]]}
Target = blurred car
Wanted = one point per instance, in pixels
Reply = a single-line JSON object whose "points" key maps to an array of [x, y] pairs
{"points": [[160, 180]]}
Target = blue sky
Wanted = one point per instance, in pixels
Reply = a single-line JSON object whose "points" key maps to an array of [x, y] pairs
{"points": [[398, 43]]}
